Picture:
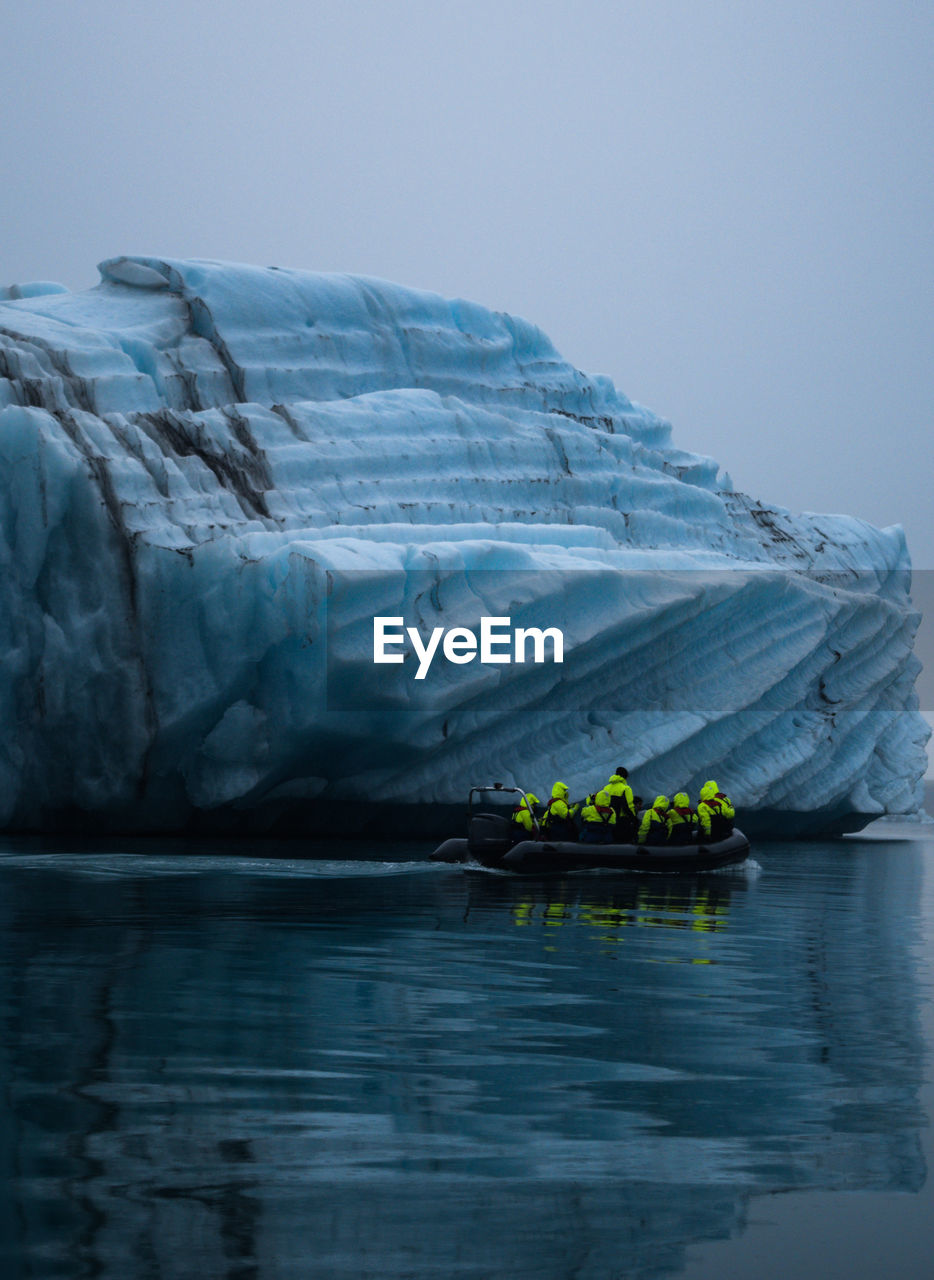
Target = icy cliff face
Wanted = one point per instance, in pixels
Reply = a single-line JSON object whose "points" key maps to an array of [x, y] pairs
{"points": [[214, 477]]}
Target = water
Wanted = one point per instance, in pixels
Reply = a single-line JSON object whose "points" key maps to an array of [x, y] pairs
{"points": [[214, 1065]]}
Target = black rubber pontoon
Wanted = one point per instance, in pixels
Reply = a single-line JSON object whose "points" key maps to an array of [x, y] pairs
{"points": [[540, 856], [565, 855]]}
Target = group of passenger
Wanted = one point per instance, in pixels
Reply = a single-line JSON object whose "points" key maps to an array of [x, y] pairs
{"points": [[613, 815]]}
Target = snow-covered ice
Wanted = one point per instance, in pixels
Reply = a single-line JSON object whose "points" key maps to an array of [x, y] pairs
{"points": [[215, 476]]}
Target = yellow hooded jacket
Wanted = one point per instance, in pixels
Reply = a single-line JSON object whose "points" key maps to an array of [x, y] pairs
{"points": [[620, 792], [714, 805], [651, 816], [600, 812], [523, 814], [558, 807], [680, 811]]}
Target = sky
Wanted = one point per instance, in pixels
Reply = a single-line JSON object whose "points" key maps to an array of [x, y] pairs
{"points": [[725, 206]]}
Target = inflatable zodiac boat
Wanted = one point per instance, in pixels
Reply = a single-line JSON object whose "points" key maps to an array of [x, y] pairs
{"points": [[490, 842]]}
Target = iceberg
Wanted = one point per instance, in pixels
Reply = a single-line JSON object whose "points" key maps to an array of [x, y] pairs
{"points": [[216, 477]]}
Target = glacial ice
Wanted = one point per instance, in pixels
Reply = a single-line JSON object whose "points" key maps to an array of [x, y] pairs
{"points": [[215, 476]]}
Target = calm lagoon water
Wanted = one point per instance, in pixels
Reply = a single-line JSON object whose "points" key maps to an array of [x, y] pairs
{"points": [[216, 1063]]}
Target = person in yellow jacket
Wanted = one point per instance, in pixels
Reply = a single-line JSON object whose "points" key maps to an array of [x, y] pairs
{"points": [[621, 798], [558, 821], [680, 820], [653, 829], [715, 813], [599, 819], [524, 822]]}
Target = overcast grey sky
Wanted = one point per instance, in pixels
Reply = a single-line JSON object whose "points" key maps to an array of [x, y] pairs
{"points": [[725, 205]]}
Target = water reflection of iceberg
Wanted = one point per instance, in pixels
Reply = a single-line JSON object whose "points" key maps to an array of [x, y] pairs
{"points": [[792, 1060], [435, 1073]]}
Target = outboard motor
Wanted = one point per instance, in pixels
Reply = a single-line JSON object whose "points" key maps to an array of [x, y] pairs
{"points": [[489, 833]]}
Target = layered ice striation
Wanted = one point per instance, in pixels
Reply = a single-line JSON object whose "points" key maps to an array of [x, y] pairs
{"points": [[216, 476]]}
